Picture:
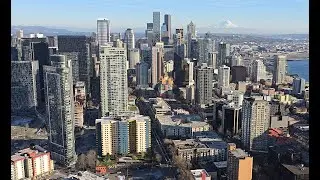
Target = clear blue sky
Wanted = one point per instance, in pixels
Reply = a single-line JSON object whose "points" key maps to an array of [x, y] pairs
{"points": [[258, 14]]}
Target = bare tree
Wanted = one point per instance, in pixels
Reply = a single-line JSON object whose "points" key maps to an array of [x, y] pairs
{"points": [[81, 162], [91, 159]]}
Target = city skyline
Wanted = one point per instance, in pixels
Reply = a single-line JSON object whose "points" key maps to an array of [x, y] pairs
{"points": [[285, 17]]}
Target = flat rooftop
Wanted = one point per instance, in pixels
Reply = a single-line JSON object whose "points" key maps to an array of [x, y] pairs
{"points": [[187, 144], [221, 164], [206, 134], [297, 169], [239, 153], [182, 121], [194, 143]]}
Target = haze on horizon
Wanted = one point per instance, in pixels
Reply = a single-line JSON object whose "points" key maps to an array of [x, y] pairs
{"points": [[284, 16]]}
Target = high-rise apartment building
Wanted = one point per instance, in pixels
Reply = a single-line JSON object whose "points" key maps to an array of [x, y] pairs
{"points": [[258, 71], [113, 80], [280, 70], [156, 65], [156, 27], [223, 76], [239, 164], [255, 122], [31, 163], [25, 89], [167, 22], [103, 31], [142, 73], [134, 58], [123, 136], [298, 85], [223, 52], [60, 109], [204, 77]]}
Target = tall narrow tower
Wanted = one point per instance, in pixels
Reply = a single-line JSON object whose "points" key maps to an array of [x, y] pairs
{"points": [[156, 26], [60, 109], [167, 21], [103, 31], [279, 73], [113, 80]]}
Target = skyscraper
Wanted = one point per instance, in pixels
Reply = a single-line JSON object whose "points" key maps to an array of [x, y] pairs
{"points": [[258, 71], [204, 77], [191, 34], [236, 60], [113, 80], [167, 22], [134, 58], [206, 47], [255, 122], [298, 85], [223, 76], [279, 73], [103, 31], [156, 65], [60, 110], [156, 26], [223, 52], [25, 89], [238, 73], [142, 73], [129, 39], [231, 119], [72, 44]]}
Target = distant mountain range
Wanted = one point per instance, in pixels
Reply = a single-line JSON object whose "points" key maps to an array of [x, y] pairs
{"points": [[225, 27]]}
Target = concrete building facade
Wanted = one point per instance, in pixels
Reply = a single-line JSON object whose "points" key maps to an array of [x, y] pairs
{"points": [[113, 80]]}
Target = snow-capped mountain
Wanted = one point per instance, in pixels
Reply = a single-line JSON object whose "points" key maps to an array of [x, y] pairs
{"points": [[227, 24]]}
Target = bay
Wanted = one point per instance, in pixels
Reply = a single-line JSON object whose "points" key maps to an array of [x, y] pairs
{"points": [[299, 67]]}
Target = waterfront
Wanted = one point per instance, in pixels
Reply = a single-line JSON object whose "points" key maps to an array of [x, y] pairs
{"points": [[300, 67]]}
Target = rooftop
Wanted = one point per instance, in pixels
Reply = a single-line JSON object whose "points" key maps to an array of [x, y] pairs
{"points": [[30, 152], [188, 144], [180, 120], [297, 169], [85, 176], [198, 173], [221, 164], [110, 119], [239, 153], [194, 143]]}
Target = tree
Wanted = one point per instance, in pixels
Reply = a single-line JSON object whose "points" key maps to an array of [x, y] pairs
{"points": [[158, 157], [81, 162], [91, 159]]}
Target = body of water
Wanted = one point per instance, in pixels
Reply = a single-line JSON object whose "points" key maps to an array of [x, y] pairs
{"points": [[300, 68]]}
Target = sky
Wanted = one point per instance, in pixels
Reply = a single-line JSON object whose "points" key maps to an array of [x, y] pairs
{"points": [[278, 15]]}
